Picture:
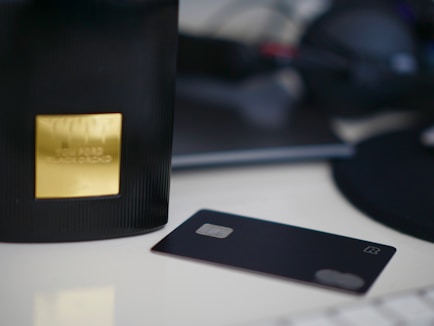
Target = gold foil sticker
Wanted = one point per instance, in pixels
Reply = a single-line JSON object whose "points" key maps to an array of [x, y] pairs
{"points": [[77, 155]]}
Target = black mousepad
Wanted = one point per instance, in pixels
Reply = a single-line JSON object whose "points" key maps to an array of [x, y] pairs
{"points": [[391, 179], [295, 253]]}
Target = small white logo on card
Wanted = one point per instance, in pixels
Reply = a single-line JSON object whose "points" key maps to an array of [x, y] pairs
{"points": [[215, 231], [372, 250]]}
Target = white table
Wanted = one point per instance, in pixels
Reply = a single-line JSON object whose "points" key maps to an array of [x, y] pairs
{"points": [[120, 282]]}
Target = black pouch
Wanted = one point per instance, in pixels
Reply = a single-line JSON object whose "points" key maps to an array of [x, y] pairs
{"points": [[86, 104]]}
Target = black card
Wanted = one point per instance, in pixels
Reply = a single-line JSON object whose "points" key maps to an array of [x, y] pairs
{"points": [[282, 250]]}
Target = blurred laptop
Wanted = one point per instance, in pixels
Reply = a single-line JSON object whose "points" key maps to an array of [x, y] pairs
{"points": [[239, 100]]}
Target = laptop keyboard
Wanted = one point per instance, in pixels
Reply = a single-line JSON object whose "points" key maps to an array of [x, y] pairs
{"points": [[411, 307]]}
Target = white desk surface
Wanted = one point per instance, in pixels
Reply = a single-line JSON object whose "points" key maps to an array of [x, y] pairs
{"points": [[120, 282]]}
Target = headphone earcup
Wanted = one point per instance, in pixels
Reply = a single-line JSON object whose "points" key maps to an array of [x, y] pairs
{"points": [[358, 58]]}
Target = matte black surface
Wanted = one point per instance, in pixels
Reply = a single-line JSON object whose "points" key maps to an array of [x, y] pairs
{"points": [[69, 57], [277, 249], [207, 134], [391, 179]]}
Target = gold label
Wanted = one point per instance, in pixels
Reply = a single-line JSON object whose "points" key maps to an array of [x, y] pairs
{"points": [[77, 155]]}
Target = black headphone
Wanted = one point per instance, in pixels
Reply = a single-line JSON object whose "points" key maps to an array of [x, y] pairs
{"points": [[363, 56]]}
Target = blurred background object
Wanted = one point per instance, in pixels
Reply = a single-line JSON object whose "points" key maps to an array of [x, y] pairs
{"points": [[238, 92], [347, 80], [272, 80]]}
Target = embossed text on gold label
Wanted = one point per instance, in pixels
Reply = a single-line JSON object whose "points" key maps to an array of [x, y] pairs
{"points": [[77, 155]]}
